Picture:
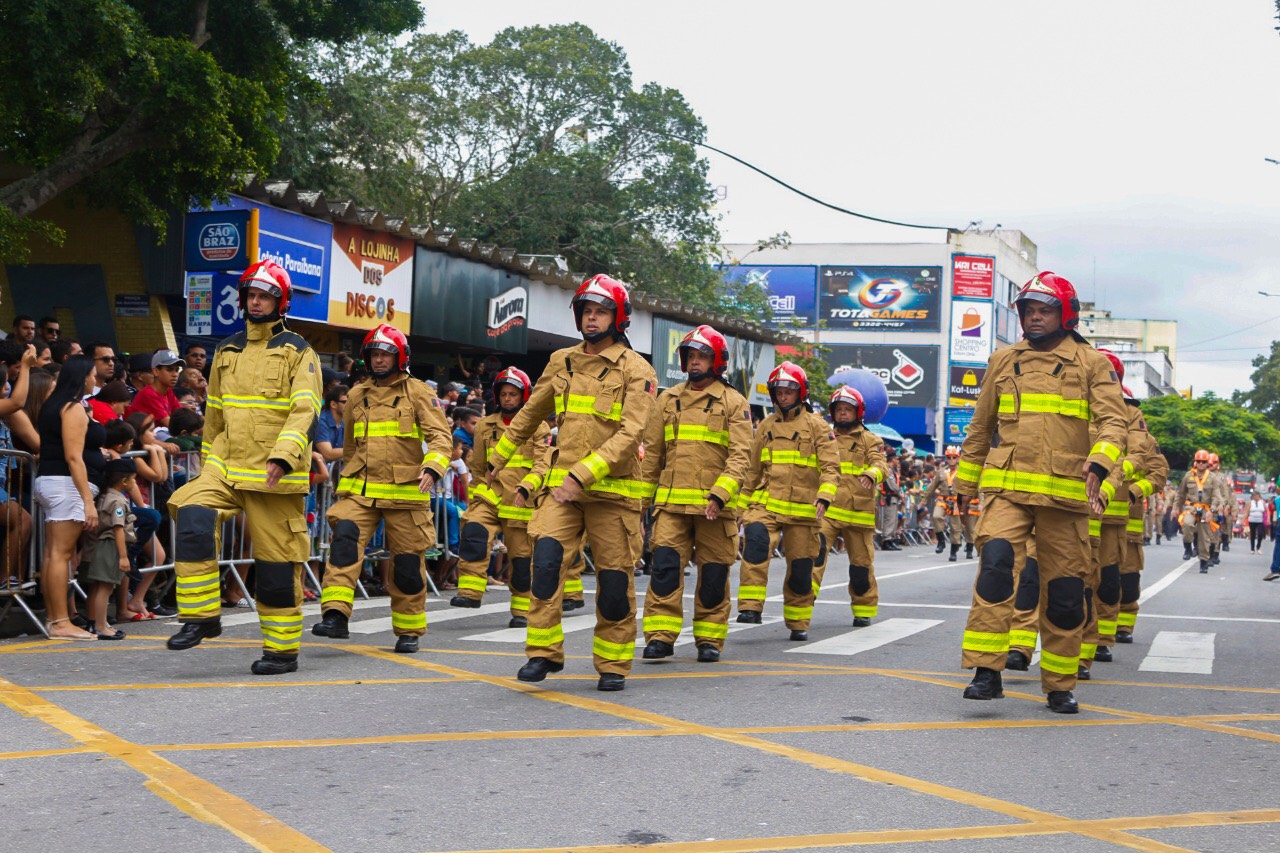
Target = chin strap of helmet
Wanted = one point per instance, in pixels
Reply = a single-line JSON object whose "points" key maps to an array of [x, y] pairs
{"points": [[1048, 337], [700, 375], [597, 337], [273, 317], [842, 427], [508, 414]]}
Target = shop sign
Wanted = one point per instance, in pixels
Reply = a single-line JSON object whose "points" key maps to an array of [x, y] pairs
{"points": [[955, 425], [903, 299], [792, 291], [966, 382], [219, 240], [372, 279], [971, 331], [909, 373], [461, 301], [507, 310], [973, 276]]}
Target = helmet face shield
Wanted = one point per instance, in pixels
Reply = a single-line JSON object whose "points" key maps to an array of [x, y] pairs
{"points": [[785, 384], [1032, 296]]}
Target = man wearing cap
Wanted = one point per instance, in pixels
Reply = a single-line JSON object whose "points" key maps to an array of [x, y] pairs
{"points": [[139, 374], [158, 399]]}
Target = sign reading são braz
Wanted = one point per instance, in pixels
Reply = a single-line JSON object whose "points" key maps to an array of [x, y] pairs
{"points": [[905, 299]]}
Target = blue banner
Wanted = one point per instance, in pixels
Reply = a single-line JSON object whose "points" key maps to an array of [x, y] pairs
{"points": [[217, 240], [793, 291], [955, 425]]}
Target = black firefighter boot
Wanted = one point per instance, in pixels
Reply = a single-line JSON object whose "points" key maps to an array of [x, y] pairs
{"points": [[955, 549], [1062, 702], [658, 649], [1186, 550], [1204, 567], [406, 644], [942, 545], [273, 664], [986, 684], [968, 551], [332, 624], [191, 633]]}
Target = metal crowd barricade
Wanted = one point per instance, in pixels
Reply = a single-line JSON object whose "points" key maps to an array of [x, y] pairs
{"points": [[20, 574]]}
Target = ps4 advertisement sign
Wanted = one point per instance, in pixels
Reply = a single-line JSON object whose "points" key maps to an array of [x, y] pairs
{"points": [[901, 299]]}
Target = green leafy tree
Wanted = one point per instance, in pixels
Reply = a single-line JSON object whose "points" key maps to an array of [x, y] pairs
{"points": [[1264, 396], [538, 140], [146, 104], [1243, 438]]}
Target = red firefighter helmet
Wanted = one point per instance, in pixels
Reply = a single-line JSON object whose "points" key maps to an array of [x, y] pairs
{"points": [[845, 394], [269, 276], [1116, 364], [1124, 389], [788, 375], [1213, 459], [1052, 289], [388, 339], [517, 378], [1202, 456], [608, 292], [711, 342], [952, 453]]}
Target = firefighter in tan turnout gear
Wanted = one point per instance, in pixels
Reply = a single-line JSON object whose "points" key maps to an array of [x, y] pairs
{"points": [[1145, 476], [1199, 503], [949, 509], [852, 516], [1041, 395], [602, 394], [794, 475], [264, 398], [697, 451], [506, 507], [386, 478]]}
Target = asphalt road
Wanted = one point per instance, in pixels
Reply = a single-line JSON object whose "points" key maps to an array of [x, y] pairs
{"points": [[857, 737]]}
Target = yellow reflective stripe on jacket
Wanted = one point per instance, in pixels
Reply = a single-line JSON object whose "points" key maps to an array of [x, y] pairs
{"points": [[1107, 449], [1036, 484], [1117, 509], [1108, 490], [309, 396], [515, 513], [1134, 525], [788, 457], [437, 459], [381, 491], [610, 485], [695, 432], [596, 465], [583, 404], [482, 491], [1044, 404], [506, 448], [213, 402], [1095, 527], [252, 475], [968, 471], [680, 497], [798, 510], [295, 436], [384, 429], [729, 485], [1144, 486], [519, 461], [827, 490], [848, 516], [1128, 468], [531, 483], [243, 401], [858, 470]]}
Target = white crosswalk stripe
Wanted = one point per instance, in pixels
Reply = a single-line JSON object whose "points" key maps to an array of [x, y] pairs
{"points": [[865, 639], [1180, 651]]}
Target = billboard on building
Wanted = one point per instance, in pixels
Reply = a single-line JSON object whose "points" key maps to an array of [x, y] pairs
{"points": [[461, 301], [964, 385], [747, 359], [971, 331], [903, 299], [372, 279], [955, 425], [909, 373], [973, 276], [793, 291]]}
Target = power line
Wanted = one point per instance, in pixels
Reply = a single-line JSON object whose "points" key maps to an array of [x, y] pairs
{"points": [[1229, 334]]}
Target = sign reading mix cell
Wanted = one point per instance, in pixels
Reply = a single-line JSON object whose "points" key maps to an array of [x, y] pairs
{"points": [[372, 279], [973, 276], [906, 299]]}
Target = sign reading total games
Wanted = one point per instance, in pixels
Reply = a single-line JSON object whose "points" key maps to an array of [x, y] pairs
{"points": [[973, 276], [909, 373], [372, 279], [905, 299], [971, 331], [792, 290]]}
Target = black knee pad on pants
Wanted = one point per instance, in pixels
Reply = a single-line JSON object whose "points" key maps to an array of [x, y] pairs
{"points": [[859, 579], [343, 549], [712, 586], [1065, 603], [800, 580], [406, 572], [473, 542], [548, 554], [1028, 586], [520, 574], [823, 547], [1109, 585], [274, 584], [611, 591], [666, 570], [995, 571], [755, 543], [1130, 587], [194, 535]]}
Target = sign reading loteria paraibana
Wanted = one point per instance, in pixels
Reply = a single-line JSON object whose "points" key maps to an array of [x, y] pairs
{"points": [[371, 280]]}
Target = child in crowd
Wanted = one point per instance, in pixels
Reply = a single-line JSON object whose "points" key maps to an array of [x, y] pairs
{"points": [[186, 429], [109, 564]]}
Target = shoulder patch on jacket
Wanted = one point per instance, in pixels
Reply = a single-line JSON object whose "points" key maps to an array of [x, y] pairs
{"points": [[288, 338], [235, 342]]}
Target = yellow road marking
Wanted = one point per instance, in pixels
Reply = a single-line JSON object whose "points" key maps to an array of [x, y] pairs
{"points": [[428, 737], [187, 792], [201, 685], [47, 753]]}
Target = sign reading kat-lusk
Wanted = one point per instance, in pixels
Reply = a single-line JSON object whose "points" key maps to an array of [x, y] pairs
{"points": [[371, 280]]}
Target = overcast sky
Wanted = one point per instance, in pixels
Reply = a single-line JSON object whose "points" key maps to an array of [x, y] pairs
{"points": [[1127, 135]]}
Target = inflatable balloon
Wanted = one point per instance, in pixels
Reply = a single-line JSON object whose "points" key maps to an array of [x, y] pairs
{"points": [[866, 383]]}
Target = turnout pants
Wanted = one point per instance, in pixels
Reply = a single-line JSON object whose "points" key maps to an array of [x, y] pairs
{"points": [[1025, 626], [1106, 601], [410, 532], [859, 544], [801, 546], [480, 527], [1062, 554], [950, 523], [278, 527], [713, 546], [612, 529], [1131, 565], [1200, 532]]}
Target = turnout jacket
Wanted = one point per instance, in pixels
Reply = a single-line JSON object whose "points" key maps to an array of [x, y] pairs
{"points": [[1142, 471], [526, 469], [697, 446], [264, 398], [942, 494], [794, 462], [861, 453], [602, 405], [1041, 405], [385, 427]]}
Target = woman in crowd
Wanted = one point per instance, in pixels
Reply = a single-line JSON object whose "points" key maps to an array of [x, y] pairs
{"points": [[68, 479], [13, 517], [1257, 522]]}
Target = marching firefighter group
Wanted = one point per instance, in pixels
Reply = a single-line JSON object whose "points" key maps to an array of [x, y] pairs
{"points": [[1058, 451]]}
